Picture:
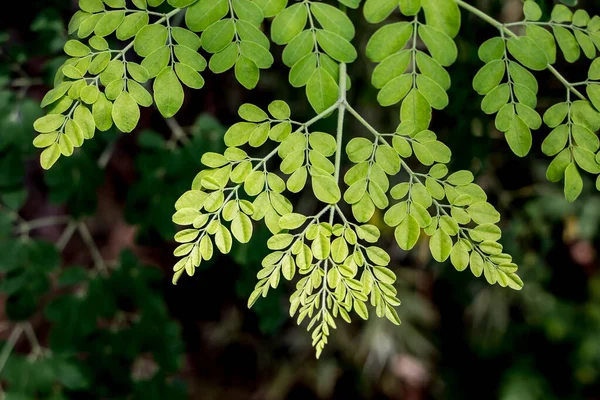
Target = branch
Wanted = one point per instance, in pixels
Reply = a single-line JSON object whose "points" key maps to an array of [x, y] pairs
{"points": [[413, 176], [503, 27]]}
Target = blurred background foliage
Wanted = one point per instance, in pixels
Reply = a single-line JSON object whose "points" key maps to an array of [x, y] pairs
{"points": [[85, 257]]}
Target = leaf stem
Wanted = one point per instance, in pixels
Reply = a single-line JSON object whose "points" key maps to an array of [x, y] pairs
{"points": [[503, 27], [341, 107]]}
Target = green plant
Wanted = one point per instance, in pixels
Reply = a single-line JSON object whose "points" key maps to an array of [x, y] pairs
{"points": [[342, 268]]}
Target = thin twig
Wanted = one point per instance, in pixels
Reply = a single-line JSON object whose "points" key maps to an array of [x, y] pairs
{"points": [[106, 155], [91, 245], [177, 133], [10, 345], [28, 226], [66, 236]]}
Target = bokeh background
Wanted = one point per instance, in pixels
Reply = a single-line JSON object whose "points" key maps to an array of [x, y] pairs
{"points": [[88, 310]]}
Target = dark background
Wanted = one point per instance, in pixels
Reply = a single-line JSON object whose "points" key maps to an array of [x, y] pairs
{"points": [[129, 334]]}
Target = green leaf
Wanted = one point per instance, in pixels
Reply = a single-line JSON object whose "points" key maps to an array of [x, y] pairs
{"points": [[190, 57], [459, 256], [556, 114], [585, 137], [390, 68], [388, 159], [410, 7], [333, 20], [280, 110], [522, 77], [567, 43], [125, 112], [289, 23], [247, 72], [321, 90], [557, 167], [102, 113], [217, 36], [248, 11], [241, 227], [204, 13], [359, 149], [483, 213], [181, 3], [132, 24], [560, 13], [525, 50], [298, 48], [532, 11], [440, 245], [91, 6], [443, 15], [258, 54], [388, 40], [49, 156], [85, 120], [573, 183], [407, 233], [581, 18], [168, 93], [433, 70], [476, 264], [326, 189], [434, 94], [544, 39], [186, 38], [49, 123], [224, 60], [292, 221], [496, 99], [586, 160], [395, 90], [189, 76], [271, 8], [252, 113], [491, 49], [248, 32], [531, 117], [489, 77], [223, 239], [139, 94], [149, 39], [586, 44], [379, 257], [441, 47], [593, 92], [519, 137], [75, 48], [416, 109], [556, 140], [594, 71], [336, 46], [377, 10], [321, 247], [513, 281], [109, 23]]}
